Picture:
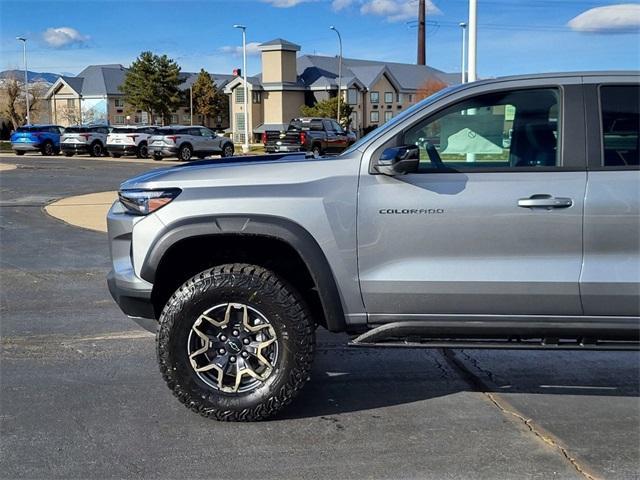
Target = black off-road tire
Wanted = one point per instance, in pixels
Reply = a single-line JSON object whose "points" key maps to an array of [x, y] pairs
{"points": [[116, 155], [258, 288], [68, 154], [19, 152], [157, 157]]}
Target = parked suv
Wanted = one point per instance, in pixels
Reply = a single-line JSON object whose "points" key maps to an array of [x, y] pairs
{"points": [[316, 135], [129, 140], [89, 139], [430, 231], [186, 142], [42, 138]]}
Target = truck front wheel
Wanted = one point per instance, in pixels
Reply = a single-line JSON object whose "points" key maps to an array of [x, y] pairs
{"points": [[235, 343]]}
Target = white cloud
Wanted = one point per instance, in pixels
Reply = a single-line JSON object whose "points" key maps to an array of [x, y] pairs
{"points": [[63, 37], [252, 49], [396, 10], [609, 19], [286, 3], [338, 5]]}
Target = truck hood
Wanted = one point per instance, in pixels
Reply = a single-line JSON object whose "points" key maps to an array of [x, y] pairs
{"points": [[218, 169]]}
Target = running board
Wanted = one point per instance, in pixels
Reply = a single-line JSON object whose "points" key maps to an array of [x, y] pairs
{"points": [[531, 336]]}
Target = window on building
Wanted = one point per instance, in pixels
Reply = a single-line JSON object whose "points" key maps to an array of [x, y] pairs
{"points": [[410, 97], [374, 117], [119, 119], [119, 102], [374, 97], [511, 129], [399, 98], [352, 96], [239, 127], [186, 119], [353, 121], [71, 103], [239, 94], [388, 116], [174, 119], [388, 97], [256, 97], [620, 125]]}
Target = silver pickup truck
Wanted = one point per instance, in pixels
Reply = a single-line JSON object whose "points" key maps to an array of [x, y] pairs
{"points": [[500, 214]]}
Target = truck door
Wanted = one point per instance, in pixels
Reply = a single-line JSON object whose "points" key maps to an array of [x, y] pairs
{"points": [[492, 222]]}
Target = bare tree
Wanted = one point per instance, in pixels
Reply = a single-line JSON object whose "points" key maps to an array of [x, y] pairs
{"points": [[12, 100], [429, 87]]}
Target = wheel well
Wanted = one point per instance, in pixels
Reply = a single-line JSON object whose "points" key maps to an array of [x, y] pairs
{"points": [[185, 144], [193, 255]]}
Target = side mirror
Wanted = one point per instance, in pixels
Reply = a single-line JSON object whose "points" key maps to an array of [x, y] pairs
{"points": [[398, 160]]}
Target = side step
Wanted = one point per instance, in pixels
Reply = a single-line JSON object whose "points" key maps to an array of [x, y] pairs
{"points": [[456, 335]]}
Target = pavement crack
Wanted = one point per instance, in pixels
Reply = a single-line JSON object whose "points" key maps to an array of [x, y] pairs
{"points": [[506, 408]]}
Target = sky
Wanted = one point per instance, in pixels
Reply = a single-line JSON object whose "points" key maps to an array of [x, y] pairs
{"points": [[514, 36]]}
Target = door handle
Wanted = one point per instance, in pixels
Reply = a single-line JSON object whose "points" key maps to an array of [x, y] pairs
{"points": [[545, 201]]}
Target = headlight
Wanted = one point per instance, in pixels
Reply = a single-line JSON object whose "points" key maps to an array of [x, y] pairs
{"points": [[144, 202]]}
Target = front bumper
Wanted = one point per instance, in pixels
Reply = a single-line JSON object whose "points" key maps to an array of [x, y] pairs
{"points": [[122, 149], [131, 293], [25, 146], [162, 151], [74, 148]]}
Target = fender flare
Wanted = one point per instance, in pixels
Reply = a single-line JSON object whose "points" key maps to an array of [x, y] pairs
{"points": [[256, 225]]}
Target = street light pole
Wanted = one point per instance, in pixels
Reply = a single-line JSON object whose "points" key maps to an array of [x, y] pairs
{"points": [[339, 70], [245, 145], [473, 40], [26, 78], [463, 27], [191, 104]]}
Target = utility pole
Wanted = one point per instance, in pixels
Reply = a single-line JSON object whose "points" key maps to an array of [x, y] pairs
{"points": [[422, 56], [473, 40], [339, 71], [245, 145], [463, 27], [26, 76]]}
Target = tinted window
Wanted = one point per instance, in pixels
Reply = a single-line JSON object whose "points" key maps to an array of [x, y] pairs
{"points": [[25, 129], [337, 127], [124, 130], [501, 130], [620, 125], [327, 125], [76, 130], [193, 131]]}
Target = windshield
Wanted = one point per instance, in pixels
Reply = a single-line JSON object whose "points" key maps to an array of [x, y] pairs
{"points": [[399, 118]]}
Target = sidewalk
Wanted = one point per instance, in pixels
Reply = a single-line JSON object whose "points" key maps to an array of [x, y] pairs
{"points": [[84, 211]]}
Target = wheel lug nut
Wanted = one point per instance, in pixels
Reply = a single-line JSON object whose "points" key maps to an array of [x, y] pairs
{"points": [[232, 359], [245, 354], [235, 333], [223, 338], [222, 351], [246, 341]]}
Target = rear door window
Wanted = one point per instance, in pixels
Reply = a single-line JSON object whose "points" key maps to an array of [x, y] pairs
{"points": [[620, 113]]}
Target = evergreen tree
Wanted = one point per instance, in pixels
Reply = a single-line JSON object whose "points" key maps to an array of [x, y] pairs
{"points": [[151, 85], [139, 86], [167, 78]]}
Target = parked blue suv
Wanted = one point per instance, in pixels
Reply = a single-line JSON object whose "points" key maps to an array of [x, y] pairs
{"points": [[43, 138]]}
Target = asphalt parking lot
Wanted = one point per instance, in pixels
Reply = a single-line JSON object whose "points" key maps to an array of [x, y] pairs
{"points": [[81, 395]]}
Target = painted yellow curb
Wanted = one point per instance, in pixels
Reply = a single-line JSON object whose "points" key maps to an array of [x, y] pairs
{"points": [[5, 167], [85, 211]]}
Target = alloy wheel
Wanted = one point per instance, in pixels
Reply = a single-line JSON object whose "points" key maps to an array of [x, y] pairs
{"points": [[233, 348]]}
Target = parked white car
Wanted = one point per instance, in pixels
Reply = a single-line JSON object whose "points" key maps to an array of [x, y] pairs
{"points": [[129, 140], [89, 139]]}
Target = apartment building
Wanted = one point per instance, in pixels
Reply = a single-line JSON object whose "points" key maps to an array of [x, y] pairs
{"points": [[94, 96], [377, 91]]}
